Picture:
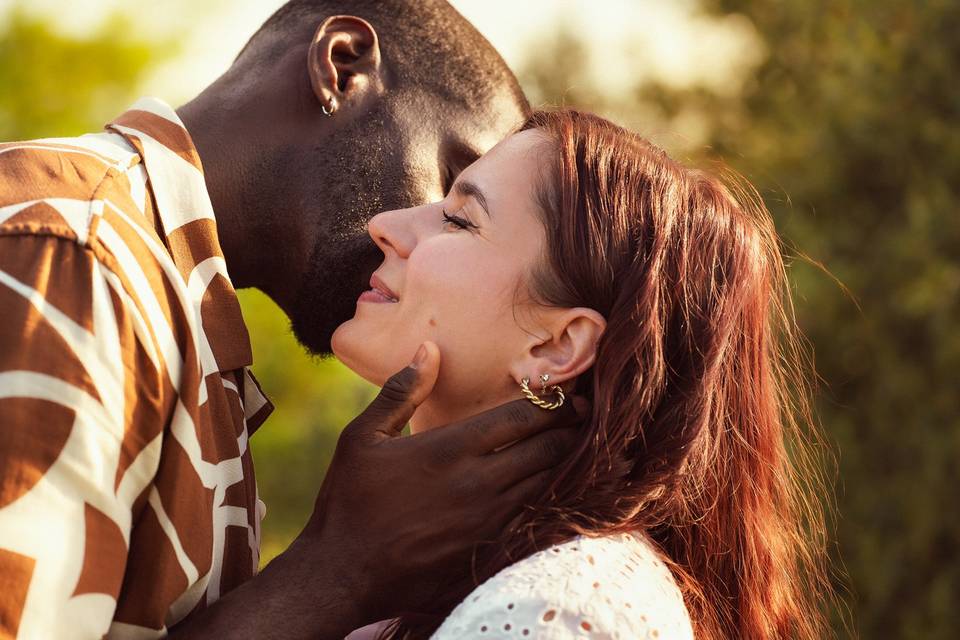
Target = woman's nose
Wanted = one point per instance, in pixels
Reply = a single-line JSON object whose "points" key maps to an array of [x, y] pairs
{"points": [[394, 231]]}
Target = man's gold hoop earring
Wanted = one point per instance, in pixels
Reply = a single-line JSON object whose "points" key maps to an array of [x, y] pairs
{"points": [[544, 390]]}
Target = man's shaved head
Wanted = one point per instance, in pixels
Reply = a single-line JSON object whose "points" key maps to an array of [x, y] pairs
{"points": [[425, 43], [419, 95]]}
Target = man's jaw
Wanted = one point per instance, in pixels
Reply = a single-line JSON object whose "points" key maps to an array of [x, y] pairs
{"points": [[328, 295]]}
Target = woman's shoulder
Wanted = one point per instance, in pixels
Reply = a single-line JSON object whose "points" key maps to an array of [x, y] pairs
{"points": [[608, 587]]}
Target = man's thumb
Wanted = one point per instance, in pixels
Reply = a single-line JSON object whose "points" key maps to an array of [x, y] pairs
{"points": [[403, 392]]}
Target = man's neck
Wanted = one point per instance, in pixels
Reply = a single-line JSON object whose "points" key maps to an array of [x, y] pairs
{"points": [[232, 161], [204, 124]]}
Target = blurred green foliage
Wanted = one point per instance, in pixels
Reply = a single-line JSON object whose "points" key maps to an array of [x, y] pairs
{"points": [[849, 127], [54, 85]]}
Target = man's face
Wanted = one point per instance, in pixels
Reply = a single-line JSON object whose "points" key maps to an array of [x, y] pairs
{"points": [[406, 151]]}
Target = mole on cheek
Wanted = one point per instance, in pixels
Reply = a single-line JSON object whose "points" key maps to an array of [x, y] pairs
{"points": [[433, 322]]}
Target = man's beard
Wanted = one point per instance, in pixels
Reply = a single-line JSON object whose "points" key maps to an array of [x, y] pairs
{"points": [[360, 182], [338, 273]]}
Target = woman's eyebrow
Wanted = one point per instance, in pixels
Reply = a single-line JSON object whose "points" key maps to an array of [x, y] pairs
{"points": [[468, 189]]}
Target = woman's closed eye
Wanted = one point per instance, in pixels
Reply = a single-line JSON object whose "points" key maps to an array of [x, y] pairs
{"points": [[458, 221]]}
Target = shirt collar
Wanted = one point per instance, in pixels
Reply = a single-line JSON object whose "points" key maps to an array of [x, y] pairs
{"points": [[189, 227]]}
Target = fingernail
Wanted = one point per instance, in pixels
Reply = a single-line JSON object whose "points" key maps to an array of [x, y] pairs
{"points": [[582, 406], [421, 358]]}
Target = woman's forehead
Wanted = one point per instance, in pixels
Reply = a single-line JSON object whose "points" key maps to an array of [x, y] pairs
{"points": [[511, 166]]}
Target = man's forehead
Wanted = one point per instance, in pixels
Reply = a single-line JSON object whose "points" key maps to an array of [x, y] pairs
{"points": [[481, 129]]}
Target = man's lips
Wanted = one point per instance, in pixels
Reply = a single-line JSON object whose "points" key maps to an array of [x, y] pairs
{"points": [[378, 292]]}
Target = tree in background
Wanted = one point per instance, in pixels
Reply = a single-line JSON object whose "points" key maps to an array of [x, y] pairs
{"points": [[849, 128]]}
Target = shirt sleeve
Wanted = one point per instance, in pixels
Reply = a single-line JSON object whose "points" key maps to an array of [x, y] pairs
{"points": [[72, 466]]}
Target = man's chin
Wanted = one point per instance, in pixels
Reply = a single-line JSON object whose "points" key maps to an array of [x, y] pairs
{"points": [[313, 341], [329, 295], [328, 300], [313, 324]]}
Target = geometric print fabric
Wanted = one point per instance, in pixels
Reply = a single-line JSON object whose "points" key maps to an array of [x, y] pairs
{"points": [[127, 491]]}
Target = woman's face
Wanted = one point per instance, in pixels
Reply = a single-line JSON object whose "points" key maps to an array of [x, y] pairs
{"points": [[455, 272]]}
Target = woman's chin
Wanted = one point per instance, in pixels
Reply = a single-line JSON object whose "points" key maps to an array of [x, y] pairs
{"points": [[344, 346], [337, 341], [359, 367]]}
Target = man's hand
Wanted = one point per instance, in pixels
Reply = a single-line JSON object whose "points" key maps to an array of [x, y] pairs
{"points": [[402, 512], [398, 516]]}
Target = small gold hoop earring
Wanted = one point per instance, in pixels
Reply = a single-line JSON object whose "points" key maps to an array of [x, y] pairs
{"points": [[537, 400], [329, 111]]}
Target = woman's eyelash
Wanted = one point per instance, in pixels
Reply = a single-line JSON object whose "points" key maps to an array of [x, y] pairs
{"points": [[457, 221]]}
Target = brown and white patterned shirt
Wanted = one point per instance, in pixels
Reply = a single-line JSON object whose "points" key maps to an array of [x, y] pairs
{"points": [[127, 494]]}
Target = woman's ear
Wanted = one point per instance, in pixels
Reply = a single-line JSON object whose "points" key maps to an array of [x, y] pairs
{"points": [[564, 347], [344, 62]]}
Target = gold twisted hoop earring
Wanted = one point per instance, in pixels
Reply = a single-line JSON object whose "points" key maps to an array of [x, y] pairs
{"points": [[537, 400]]}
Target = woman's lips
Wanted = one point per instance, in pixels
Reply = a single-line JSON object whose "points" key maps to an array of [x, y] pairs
{"points": [[378, 292], [372, 295]]}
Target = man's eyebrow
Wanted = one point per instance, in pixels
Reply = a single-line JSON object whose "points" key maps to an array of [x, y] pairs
{"points": [[468, 189]]}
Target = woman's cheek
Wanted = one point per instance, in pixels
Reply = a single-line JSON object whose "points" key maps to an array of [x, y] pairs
{"points": [[451, 304]]}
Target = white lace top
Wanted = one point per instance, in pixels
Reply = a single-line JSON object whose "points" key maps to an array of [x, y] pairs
{"points": [[599, 588]]}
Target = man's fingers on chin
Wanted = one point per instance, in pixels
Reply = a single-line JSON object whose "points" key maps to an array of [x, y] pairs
{"points": [[398, 387], [393, 406]]}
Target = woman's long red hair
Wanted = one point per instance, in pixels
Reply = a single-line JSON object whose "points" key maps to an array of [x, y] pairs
{"points": [[701, 433]]}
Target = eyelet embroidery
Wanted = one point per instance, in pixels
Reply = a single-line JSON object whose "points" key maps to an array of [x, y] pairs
{"points": [[613, 587]]}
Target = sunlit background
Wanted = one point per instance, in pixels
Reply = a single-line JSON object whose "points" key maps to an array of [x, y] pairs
{"points": [[845, 114]]}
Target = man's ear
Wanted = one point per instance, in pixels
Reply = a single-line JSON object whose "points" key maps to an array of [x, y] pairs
{"points": [[344, 61], [565, 347]]}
